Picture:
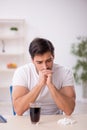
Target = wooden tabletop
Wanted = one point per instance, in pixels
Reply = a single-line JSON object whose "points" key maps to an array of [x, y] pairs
{"points": [[47, 122]]}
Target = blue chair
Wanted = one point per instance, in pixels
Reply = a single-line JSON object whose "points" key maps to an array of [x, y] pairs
{"points": [[11, 88]]}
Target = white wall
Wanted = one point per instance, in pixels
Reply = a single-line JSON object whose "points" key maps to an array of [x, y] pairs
{"points": [[61, 21]]}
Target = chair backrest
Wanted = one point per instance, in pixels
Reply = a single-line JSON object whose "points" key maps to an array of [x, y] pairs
{"points": [[11, 88]]}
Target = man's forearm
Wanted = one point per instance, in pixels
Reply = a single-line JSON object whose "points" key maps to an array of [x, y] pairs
{"points": [[63, 102], [21, 104]]}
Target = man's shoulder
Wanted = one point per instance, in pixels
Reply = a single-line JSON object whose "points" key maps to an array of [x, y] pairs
{"points": [[25, 67], [60, 68]]}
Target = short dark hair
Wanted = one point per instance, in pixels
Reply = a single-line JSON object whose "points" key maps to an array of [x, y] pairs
{"points": [[40, 46]]}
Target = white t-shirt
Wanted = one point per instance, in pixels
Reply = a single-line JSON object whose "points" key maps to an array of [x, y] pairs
{"points": [[27, 76]]}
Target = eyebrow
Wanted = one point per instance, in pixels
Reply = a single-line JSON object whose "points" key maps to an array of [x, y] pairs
{"points": [[46, 60]]}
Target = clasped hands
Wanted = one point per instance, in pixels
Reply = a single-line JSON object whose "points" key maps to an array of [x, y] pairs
{"points": [[45, 77]]}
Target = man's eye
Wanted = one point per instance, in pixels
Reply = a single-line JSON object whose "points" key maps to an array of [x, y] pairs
{"points": [[39, 62], [49, 60]]}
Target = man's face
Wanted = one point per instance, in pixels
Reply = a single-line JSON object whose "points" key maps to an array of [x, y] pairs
{"points": [[44, 61]]}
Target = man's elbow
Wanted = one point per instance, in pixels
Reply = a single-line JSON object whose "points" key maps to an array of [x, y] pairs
{"points": [[70, 110]]}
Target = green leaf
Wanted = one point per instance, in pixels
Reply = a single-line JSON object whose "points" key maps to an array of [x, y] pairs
{"points": [[79, 50]]}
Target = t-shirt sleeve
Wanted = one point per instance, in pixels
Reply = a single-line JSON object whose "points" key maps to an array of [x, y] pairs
{"points": [[20, 77], [68, 79]]}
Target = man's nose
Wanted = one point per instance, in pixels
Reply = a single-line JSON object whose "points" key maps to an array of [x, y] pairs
{"points": [[44, 66]]}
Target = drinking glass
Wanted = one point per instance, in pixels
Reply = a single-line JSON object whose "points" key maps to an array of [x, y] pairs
{"points": [[35, 112]]}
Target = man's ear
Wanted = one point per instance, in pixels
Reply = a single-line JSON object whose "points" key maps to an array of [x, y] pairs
{"points": [[32, 59]]}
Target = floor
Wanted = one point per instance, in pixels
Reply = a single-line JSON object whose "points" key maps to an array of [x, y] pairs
{"points": [[6, 109]]}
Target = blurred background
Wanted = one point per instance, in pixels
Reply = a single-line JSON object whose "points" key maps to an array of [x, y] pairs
{"points": [[60, 21]]}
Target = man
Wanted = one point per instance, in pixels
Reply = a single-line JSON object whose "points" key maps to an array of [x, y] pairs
{"points": [[44, 82]]}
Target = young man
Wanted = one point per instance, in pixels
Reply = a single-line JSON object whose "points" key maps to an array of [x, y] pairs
{"points": [[44, 82]]}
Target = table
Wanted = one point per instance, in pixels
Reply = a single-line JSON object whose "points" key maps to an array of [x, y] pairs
{"points": [[47, 122]]}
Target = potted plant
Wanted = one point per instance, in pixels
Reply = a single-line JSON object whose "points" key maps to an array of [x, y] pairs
{"points": [[79, 50], [13, 30]]}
